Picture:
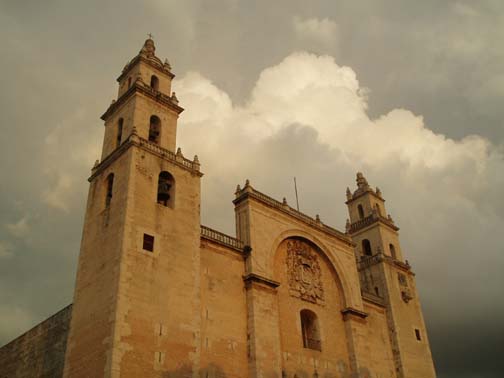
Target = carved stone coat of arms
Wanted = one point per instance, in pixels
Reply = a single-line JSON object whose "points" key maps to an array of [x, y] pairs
{"points": [[304, 272]]}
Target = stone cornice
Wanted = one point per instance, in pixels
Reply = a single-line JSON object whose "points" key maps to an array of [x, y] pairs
{"points": [[370, 220], [134, 140], [140, 87], [151, 62], [252, 278], [350, 312], [250, 193]]}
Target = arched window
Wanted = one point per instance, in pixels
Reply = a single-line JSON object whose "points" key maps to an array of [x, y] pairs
{"points": [[310, 330], [361, 211], [392, 251], [154, 82], [166, 189], [154, 129], [366, 248], [119, 132], [129, 82], [110, 185]]}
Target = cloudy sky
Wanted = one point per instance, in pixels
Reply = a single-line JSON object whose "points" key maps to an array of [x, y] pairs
{"points": [[410, 93]]}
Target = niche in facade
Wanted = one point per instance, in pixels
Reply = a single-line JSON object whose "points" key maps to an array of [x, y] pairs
{"points": [[310, 330], [166, 189], [154, 129]]}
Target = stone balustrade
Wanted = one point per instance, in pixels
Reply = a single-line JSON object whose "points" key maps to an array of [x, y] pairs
{"points": [[221, 238]]}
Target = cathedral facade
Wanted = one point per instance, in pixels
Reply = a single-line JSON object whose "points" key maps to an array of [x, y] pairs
{"points": [[159, 295]]}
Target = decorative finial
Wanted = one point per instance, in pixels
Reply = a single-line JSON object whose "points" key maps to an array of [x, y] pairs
{"points": [[148, 49], [179, 151], [134, 131], [238, 189], [378, 192], [167, 64], [361, 181], [348, 194], [317, 218], [174, 98], [247, 182], [347, 225], [284, 202], [113, 101], [96, 163], [196, 160]]}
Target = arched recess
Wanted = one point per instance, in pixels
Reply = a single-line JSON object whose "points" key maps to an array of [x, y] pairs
{"points": [[335, 263], [360, 209], [119, 134], [166, 189], [313, 291], [366, 248], [310, 330], [109, 189], [392, 251], [154, 82], [154, 129]]}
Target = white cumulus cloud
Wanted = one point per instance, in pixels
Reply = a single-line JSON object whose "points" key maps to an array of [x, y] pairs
{"points": [[307, 117]]}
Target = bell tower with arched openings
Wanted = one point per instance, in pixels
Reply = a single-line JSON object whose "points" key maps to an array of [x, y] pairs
{"points": [[387, 277], [141, 235]]}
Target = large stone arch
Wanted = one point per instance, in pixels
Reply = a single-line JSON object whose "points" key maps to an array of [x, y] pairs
{"points": [[334, 262]]}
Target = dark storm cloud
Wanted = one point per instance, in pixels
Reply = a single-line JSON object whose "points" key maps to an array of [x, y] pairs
{"points": [[442, 60]]}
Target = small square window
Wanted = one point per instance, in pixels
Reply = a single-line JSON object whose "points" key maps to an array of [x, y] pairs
{"points": [[148, 242], [417, 334]]}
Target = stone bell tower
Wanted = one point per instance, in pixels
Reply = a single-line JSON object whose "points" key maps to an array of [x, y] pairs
{"points": [[136, 300], [386, 275]]}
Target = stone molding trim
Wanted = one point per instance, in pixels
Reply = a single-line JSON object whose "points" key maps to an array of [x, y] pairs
{"points": [[140, 87], [380, 257], [134, 140], [249, 192], [353, 313], [252, 279]]}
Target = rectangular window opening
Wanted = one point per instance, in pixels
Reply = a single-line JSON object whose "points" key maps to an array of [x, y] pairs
{"points": [[148, 242], [417, 334]]}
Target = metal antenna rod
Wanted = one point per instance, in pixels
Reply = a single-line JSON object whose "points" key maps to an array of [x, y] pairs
{"points": [[295, 189]]}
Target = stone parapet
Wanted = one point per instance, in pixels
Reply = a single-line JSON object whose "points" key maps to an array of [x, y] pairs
{"points": [[366, 262], [192, 166], [369, 220], [249, 192], [221, 238]]}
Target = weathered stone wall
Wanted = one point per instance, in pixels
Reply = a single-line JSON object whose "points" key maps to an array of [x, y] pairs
{"points": [[223, 313], [40, 352]]}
